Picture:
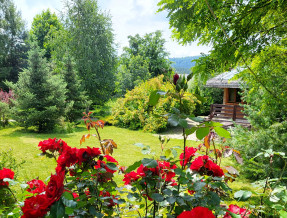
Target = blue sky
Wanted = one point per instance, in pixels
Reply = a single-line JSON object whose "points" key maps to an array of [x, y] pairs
{"points": [[129, 17]]}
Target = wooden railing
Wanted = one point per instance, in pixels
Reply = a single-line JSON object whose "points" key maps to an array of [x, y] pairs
{"points": [[226, 111]]}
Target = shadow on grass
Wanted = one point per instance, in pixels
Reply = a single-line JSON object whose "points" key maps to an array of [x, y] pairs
{"points": [[22, 132]]}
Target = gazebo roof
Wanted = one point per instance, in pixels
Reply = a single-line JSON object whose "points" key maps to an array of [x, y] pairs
{"points": [[224, 80]]}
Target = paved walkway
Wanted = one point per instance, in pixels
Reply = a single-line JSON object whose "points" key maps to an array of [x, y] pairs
{"points": [[176, 132]]}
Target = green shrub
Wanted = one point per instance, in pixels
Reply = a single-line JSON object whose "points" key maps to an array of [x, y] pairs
{"points": [[4, 113], [251, 142], [133, 110]]}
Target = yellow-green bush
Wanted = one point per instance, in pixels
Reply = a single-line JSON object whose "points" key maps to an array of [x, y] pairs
{"points": [[133, 111]]}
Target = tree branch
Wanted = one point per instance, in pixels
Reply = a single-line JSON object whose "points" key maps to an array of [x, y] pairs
{"points": [[243, 59]]}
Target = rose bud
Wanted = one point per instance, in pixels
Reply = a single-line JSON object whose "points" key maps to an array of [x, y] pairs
{"points": [[175, 78]]}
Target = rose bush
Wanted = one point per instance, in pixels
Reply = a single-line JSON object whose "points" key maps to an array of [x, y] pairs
{"points": [[193, 184]]}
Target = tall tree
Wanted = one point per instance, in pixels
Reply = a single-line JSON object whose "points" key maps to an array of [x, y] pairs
{"points": [[145, 57], [151, 48], [40, 94], [76, 101], [43, 27], [91, 44], [12, 46], [249, 33]]}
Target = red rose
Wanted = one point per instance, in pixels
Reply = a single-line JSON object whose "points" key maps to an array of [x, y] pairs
{"points": [[52, 145], [197, 212], [175, 78], [102, 164], [164, 169], [140, 171], [6, 173], [130, 177], [203, 164], [191, 192], [106, 195], [189, 153], [55, 187], [36, 186], [85, 154], [35, 207], [216, 170], [237, 210], [68, 158]]}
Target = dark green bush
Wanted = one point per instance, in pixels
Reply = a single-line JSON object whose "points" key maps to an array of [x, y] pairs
{"points": [[251, 142], [133, 110]]}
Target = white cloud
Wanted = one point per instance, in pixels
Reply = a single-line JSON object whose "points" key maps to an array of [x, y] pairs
{"points": [[129, 17]]}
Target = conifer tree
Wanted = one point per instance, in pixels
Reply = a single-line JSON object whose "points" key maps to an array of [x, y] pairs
{"points": [[40, 94], [76, 100]]}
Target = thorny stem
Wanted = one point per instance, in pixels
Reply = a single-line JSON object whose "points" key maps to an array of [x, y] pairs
{"points": [[139, 213], [100, 140], [215, 152], [267, 179], [154, 206], [12, 194], [146, 207], [282, 172]]}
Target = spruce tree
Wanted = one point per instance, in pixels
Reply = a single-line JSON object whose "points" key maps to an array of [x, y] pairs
{"points": [[40, 94], [76, 100]]}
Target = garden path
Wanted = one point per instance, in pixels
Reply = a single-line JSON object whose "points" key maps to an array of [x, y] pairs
{"points": [[176, 132]]}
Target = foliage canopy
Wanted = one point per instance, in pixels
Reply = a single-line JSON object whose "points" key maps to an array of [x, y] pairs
{"points": [[40, 94]]}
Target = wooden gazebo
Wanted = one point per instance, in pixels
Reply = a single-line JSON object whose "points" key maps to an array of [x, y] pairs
{"points": [[230, 109]]}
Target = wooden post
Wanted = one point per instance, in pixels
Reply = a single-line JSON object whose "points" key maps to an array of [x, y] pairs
{"points": [[234, 112], [211, 113]]}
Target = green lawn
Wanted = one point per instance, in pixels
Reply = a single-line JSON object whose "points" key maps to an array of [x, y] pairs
{"points": [[25, 147]]}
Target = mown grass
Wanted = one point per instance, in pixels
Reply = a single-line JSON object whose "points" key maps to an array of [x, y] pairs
{"points": [[25, 147]]}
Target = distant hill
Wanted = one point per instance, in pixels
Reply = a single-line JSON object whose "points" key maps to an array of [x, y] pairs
{"points": [[183, 65]]}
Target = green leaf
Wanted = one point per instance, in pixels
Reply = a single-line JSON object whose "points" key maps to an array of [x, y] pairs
{"points": [[202, 132], [153, 98], [93, 211], [150, 163], [139, 145], [24, 186], [197, 119], [178, 171], [222, 132], [112, 166], [183, 123], [180, 201], [69, 210], [134, 166], [157, 197], [242, 195], [146, 150], [167, 192], [173, 119], [200, 98], [10, 181], [68, 195], [174, 152], [69, 203], [189, 76], [213, 124], [167, 153], [283, 214], [57, 209], [233, 215], [190, 131], [213, 199], [171, 200]]}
